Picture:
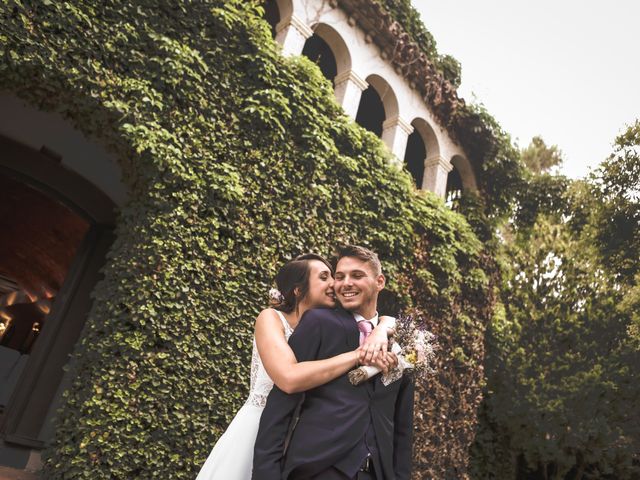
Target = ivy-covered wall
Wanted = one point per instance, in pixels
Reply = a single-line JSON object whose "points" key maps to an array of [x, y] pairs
{"points": [[235, 159]]}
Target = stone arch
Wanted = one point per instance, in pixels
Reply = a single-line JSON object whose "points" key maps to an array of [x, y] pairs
{"points": [[51, 133], [421, 144], [377, 104], [465, 171], [285, 8], [320, 53], [387, 95], [337, 44], [428, 135], [461, 178], [327, 48]]}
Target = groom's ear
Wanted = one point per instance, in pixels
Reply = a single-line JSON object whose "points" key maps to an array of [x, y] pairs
{"points": [[380, 282]]}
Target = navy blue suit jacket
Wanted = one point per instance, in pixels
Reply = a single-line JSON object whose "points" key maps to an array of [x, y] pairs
{"points": [[334, 417]]}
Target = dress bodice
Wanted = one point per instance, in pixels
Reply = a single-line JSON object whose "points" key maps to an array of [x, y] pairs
{"points": [[261, 383]]}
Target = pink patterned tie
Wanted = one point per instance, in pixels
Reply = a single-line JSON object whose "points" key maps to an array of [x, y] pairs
{"points": [[365, 328]]}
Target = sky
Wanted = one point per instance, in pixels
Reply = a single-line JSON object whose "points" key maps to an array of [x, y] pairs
{"points": [[568, 70]]}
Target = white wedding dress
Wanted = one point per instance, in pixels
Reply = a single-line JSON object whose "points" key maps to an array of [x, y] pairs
{"points": [[232, 456]]}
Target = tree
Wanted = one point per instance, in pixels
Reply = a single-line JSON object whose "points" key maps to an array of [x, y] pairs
{"points": [[563, 349], [561, 371], [540, 192], [539, 158], [616, 220]]}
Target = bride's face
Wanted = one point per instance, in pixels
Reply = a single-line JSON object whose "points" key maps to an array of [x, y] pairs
{"points": [[320, 292]]}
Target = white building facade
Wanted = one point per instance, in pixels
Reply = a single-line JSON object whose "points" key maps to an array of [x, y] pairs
{"points": [[372, 88]]}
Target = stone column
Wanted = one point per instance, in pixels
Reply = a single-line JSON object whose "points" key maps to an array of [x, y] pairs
{"points": [[348, 91], [436, 171], [291, 34], [395, 133]]}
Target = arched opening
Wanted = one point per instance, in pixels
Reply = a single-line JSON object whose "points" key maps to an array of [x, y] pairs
{"points": [[41, 237], [319, 52], [461, 178], [57, 229], [377, 104], [465, 170], [272, 15], [421, 144], [371, 111], [454, 188], [414, 157]]}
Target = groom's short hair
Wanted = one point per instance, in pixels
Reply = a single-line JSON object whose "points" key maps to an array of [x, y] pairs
{"points": [[361, 253]]}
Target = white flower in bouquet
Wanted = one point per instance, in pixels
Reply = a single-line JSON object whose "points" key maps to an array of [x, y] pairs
{"points": [[419, 351], [415, 347]]}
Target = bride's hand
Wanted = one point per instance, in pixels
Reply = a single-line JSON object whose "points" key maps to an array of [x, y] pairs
{"points": [[385, 361], [377, 342]]}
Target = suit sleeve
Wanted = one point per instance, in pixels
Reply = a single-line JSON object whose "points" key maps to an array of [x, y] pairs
{"points": [[280, 407], [403, 430]]}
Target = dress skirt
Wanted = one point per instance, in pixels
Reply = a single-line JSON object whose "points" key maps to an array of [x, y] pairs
{"points": [[232, 456]]}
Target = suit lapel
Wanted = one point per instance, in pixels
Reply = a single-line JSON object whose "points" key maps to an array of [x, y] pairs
{"points": [[351, 328]]}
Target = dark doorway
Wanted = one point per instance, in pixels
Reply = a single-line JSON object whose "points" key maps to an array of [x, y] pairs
{"points": [[40, 237], [414, 157], [56, 230], [272, 15], [454, 188], [371, 114], [319, 52]]}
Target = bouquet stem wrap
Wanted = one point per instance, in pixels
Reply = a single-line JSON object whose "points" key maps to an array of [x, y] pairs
{"points": [[363, 373]]}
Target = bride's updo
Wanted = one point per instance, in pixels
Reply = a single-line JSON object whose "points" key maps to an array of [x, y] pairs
{"points": [[292, 281]]}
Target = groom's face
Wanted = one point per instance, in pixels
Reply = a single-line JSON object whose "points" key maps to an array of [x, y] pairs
{"points": [[357, 286]]}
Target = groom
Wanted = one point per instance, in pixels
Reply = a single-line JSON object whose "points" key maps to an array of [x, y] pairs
{"points": [[344, 431]]}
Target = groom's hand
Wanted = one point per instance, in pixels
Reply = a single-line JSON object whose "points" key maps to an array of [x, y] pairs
{"points": [[374, 346], [385, 361]]}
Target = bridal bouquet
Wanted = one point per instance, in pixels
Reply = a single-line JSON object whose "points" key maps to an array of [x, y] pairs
{"points": [[415, 347]]}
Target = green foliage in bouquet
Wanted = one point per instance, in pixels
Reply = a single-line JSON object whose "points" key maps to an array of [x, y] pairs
{"points": [[235, 160]]}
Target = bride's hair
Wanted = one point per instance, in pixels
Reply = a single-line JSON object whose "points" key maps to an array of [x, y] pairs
{"points": [[292, 281]]}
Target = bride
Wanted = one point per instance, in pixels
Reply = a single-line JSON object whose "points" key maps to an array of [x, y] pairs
{"points": [[303, 283]]}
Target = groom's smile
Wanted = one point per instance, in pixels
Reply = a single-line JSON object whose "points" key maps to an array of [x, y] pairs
{"points": [[349, 297]]}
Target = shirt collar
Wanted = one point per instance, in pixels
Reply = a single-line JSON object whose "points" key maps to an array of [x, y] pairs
{"points": [[373, 320]]}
